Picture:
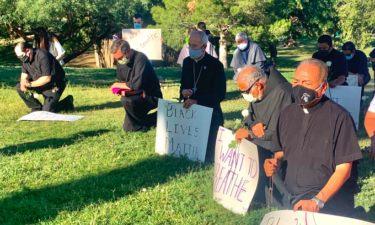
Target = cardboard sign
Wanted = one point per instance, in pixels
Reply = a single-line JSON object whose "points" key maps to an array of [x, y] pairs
{"points": [[182, 132], [236, 172], [147, 41], [288, 217], [347, 97], [48, 116], [352, 80]]}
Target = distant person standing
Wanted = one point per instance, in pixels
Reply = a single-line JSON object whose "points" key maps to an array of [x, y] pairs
{"points": [[357, 64], [49, 42], [247, 54], [138, 21], [185, 50], [335, 60], [202, 27]]}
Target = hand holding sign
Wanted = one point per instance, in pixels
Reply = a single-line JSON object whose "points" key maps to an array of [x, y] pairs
{"points": [[306, 205], [270, 167]]}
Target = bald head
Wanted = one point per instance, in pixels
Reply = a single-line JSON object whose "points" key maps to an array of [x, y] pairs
{"points": [[249, 75], [21, 48]]}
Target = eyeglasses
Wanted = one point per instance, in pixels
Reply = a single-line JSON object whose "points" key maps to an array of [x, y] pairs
{"points": [[247, 90]]}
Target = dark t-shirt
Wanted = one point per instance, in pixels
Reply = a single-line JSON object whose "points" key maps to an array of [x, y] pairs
{"points": [[209, 78], [314, 144], [339, 65], [139, 74], [358, 64], [44, 64]]}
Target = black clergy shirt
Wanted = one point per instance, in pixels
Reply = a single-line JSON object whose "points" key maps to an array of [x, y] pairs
{"points": [[44, 64], [138, 74], [211, 84], [339, 65], [314, 144]]}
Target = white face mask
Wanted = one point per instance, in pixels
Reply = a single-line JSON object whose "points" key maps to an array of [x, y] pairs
{"points": [[242, 46], [250, 98]]}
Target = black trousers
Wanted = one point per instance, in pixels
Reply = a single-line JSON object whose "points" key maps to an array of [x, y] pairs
{"points": [[217, 120], [136, 109], [341, 204], [51, 99]]}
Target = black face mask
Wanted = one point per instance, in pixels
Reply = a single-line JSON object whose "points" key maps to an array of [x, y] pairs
{"points": [[25, 59], [323, 53], [373, 66], [304, 96]]}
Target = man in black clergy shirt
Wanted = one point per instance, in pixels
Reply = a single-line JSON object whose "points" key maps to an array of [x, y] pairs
{"points": [[43, 74], [203, 82], [136, 74], [268, 93], [335, 60], [317, 139]]}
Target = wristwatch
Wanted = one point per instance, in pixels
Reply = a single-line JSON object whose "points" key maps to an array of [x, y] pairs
{"points": [[319, 202]]}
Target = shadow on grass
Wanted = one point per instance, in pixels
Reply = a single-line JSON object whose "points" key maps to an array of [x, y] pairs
{"points": [[110, 105], [32, 206], [232, 115], [232, 95], [49, 143]]}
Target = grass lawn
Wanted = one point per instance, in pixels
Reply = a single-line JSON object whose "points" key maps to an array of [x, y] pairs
{"points": [[91, 172]]}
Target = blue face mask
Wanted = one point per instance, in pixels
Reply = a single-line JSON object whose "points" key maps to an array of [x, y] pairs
{"points": [[349, 57], [137, 26], [195, 54]]}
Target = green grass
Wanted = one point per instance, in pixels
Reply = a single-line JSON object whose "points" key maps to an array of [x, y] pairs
{"points": [[91, 172]]}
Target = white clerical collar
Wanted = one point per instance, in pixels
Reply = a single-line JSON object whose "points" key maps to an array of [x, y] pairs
{"points": [[305, 111], [204, 53]]}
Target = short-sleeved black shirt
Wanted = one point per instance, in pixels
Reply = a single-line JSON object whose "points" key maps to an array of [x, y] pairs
{"points": [[314, 143], [358, 64], [44, 64], [139, 74], [339, 65]]}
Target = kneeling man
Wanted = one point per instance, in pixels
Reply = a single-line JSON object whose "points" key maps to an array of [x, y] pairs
{"points": [[317, 138], [139, 84]]}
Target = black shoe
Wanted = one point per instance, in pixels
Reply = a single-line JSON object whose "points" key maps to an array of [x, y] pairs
{"points": [[358, 213], [71, 104]]}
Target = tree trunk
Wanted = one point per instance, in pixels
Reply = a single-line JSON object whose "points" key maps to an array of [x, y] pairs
{"points": [[273, 51], [106, 50], [223, 53]]}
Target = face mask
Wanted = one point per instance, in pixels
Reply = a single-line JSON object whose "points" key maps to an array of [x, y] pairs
{"points": [[304, 96], [373, 66], [195, 54], [250, 98], [137, 26], [323, 53], [242, 46], [123, 61], [349, 57], [25, 59]]}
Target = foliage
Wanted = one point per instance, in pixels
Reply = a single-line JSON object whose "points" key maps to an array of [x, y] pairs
{"points": [[357, 21]]}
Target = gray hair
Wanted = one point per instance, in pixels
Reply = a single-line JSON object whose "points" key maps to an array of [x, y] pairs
{"points": [[241, 35], [258, 74], [120, 44], [204, 38], [316, 62]]}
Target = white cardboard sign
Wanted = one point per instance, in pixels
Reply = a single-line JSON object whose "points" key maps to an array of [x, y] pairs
{"points": [[236, 172], [148, 41], [48, 116], [288, 217], [349, 98], [352, 80], [182, 132]]}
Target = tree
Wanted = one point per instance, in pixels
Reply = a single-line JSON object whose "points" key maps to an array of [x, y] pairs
{"points": [[78, 23], [356, 21]]}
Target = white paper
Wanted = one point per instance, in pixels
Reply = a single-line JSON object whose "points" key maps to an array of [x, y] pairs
{"points": [[148, 41], [48, 116], [182, 132], [288, 217], [236, 172], [347, 97], [352, 80]]}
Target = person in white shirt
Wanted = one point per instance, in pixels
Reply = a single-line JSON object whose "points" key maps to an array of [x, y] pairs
{"points": [[49, 42]]}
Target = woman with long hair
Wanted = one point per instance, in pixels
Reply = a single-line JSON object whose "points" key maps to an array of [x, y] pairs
{"points": [[49, 42]]}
